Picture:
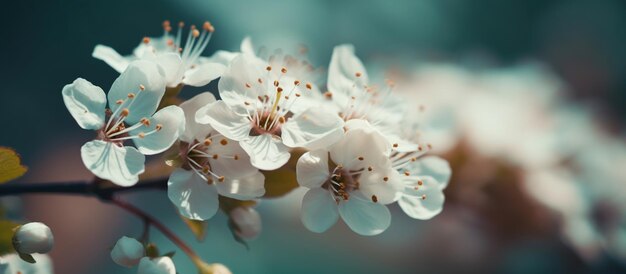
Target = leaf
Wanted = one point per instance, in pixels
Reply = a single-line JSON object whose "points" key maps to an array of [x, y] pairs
{"points": [[228, 204], [283, 180], [27, 258], [170, 254], [6, 236], [198, 228], [152, 251], [10, 167]]}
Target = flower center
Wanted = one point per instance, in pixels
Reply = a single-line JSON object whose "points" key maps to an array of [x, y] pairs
{"points": [[198, 156]]}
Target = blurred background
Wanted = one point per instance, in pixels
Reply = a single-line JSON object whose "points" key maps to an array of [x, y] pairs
{"points": [[527, 99]]}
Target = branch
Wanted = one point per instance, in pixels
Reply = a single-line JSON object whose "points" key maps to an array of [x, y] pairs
{"points": [[84, 188]]}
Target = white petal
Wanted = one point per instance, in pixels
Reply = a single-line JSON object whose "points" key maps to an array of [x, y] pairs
{"points": [[425, 202], [312, 129], [247, 47], [365, 217], [243, 188], [363, 142], [159, 265], [312, 169], [226, 165], [86, 103], [319, 210], [432, 166], [221, 56], [193, 196], [171, 64], [343, 68], [248, 222], [139, 73], [203, 74], [111, 57], [224, 120], [172, 122], [243, 70], [266, 151], [120, 165], [127, 252], [374, 184], [194, 131]]}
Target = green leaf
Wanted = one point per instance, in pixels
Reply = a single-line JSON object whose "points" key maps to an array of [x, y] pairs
{"points": [[10, 167], [198, 228], [6, 236]]}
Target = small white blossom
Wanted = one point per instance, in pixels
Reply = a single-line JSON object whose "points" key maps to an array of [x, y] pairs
{"points": [[212, 164], [159, 265], [32, 238], [358, 185], [12, 264], [133, 100], [127, 252], [261, 108], [247, 221], [179, 57]]}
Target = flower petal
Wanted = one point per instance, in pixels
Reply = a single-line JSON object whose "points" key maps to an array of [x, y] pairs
{"points": [[243, 188], [425, 202], [382, 182], [363, 142], [111, 57], [224, 120], [139, 73], [266, 151], [86, 103], [319, 210], [221, 56], [243, 69], [171, 64], [312, 169], [159, 265], [365, 217], [192, 195], [343, 68], [171, 119], [226, 164], [203, 74], [433, 166], [312, 129], [120, 165], [194, 131]]}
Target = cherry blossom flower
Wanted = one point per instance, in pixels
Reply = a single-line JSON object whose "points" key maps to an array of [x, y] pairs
{"points": [[12, 263], [127, 252], [159, 265], [353, 179], [247, 222], [261, 109], [133, 100], [212, 164], [32, 238], [179, 57]]}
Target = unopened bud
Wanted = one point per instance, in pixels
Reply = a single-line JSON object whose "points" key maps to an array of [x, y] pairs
{"points": [[33, 238], [127, 252], [247, 221], [161, 265]]}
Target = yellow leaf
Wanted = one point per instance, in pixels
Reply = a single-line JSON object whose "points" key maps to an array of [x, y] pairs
{"points": [[10, 167], [198, 228], [6, 236], [283, 180]]}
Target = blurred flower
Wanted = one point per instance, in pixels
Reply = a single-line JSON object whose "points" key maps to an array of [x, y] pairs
{"points": [[127, 252], [32, 238], [159, 265], [356, 186], [220, 269], [133, 97], [247, 222], [211, 164], [260, 108], [181, 63], [12, 264]]}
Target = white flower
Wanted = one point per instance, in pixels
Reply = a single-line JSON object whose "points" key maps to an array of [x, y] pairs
{"points": [[159, 265], [133, 98], [355, 183], [12, 264], [351, 96], [32, 238], [261, 108], [181, 63], [211, 164], [127, 252], [247, 221]]}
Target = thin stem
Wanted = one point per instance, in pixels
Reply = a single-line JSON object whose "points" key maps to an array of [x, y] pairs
{"points": [[154, 222], [84, 188]]}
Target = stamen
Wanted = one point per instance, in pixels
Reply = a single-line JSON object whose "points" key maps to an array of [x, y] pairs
{"points": [[207, 142], [224, 142], [374, 199], [146, 40], [309, 86], [208, 26]]}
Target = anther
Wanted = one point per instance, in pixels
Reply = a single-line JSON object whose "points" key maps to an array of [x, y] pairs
{"points": [[181, 24], [369, 168], [145, 122], [224, 142], [328, 95], [420, 182], [236, 157], [281, 119], [276, 83], [296, 82], [268, 68], [395, 145], [215, 156], [374, 199], [141, 135], [221, 179], [119, 102], [206, 169], [286, 97], [146, 40], [208, 26], [298, 94], [259, 80], [158, 127], [424, 197], [385, 178], [195, 33], [279, 89], [283, 70], [142, 87], [413, 159], [246, 103], [429, 146], [131, 95], [207, 142], [166, 23], [358, 74], [361, 158], [125, 112], [247, 85], [309, 86], [407, 173]]}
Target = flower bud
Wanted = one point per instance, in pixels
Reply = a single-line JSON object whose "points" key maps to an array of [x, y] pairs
{"points": [[127, 252], [160, 265], [33, 238], [220, 269], [247, 221]]}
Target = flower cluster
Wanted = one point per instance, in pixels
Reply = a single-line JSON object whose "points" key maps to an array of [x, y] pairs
{"points": [[359, 146]]}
